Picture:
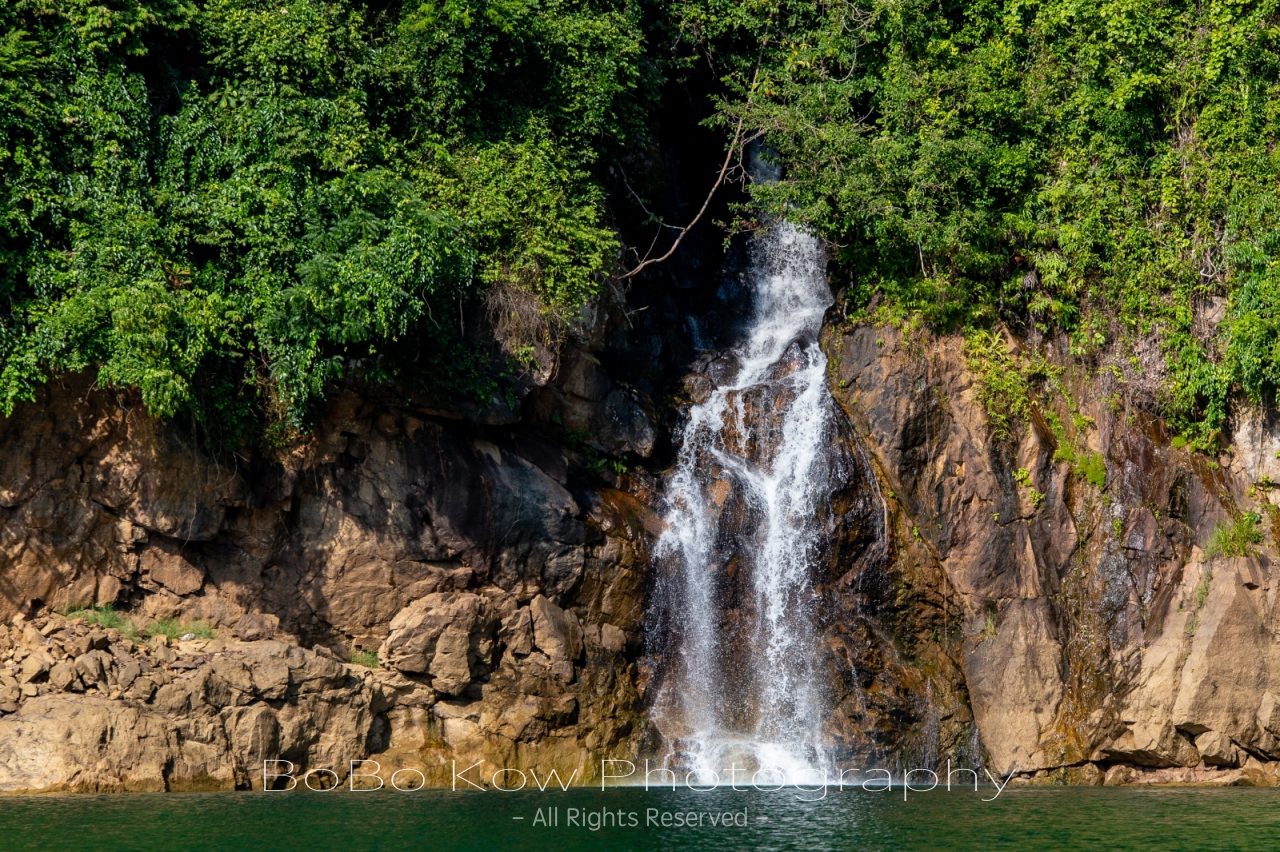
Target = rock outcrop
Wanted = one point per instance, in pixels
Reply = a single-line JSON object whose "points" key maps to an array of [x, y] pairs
{"points": [[202, 714], [1044, 603], [1064, 569], [500, 588]]}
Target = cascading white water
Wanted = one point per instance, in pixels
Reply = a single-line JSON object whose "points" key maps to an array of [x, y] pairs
{"points": [[749, 693]]}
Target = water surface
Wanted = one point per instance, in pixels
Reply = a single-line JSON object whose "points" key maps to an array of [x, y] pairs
{"points": [[1074, 819]]}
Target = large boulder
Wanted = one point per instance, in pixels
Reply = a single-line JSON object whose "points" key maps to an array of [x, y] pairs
{"points": [[448, 636], [165, 563], [556, 632], [1216, 749], [66, 743]]}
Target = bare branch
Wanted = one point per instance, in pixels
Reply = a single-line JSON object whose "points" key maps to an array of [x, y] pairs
{"points": [[735, 145]]}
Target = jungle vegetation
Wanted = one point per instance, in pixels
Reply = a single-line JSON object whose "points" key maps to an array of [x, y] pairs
{"points": [[231, 204]]}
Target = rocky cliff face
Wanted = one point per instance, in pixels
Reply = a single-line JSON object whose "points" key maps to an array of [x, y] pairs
{"points": [[1059, 578], [499, 587], [1042, 602]]}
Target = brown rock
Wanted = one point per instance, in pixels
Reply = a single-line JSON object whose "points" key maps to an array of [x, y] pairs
{"points": [[447, 635], [555, 631], [128, 674], [1015, 684], [612, 638], [61, 743], [143, 689], [1222, 683], [270, 677], [228, 683], [254, 626], [1183, 645], [1248, 571], [562, 670], [255, 736], [615, 418], [1217, 749], [450, 667], [93, 666], [63, 677], [167, 565], [33, 669], [1118, 776], [1088, 775], [109, 589], [335, 540], [77, 644], [517, 632]]}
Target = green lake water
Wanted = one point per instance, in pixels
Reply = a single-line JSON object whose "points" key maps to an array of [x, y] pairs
{"points": [[1073, 819]]}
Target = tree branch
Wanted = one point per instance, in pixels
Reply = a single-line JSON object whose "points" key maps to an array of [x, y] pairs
{"points": [[735, 145]]}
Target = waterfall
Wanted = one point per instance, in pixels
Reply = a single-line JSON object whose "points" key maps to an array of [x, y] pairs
{"points": [[736, 608]]}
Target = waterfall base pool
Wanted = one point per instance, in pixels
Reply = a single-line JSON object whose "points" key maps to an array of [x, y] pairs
{"points": [[1041, 819]]}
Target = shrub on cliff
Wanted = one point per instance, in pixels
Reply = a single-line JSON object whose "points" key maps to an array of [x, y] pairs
{"points": [[1237, 537]]}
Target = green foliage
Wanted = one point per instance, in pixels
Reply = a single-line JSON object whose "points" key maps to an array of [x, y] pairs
{"points": [[175, 629], [1236, 538], [106, 617], [1065, 452], [231, 204], [1003, 389], [1202, 589], [1023, 477], [1096, 167], [1093, 468], [1009, 385], [1253, 351], [989, 622], [368, 659], [596, 461]]}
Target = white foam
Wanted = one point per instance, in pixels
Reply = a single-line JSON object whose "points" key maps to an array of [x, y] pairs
{"points": [[709, 715]]}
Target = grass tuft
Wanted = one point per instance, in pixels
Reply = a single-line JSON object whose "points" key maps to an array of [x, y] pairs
{"points": [[106, 617], [1236, 538], [1202, 588], [175, 629], [989, 624]]}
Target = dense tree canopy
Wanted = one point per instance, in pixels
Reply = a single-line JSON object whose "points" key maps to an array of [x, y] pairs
{"points": [[229, 204], [208, 200], [1107, 167]]}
